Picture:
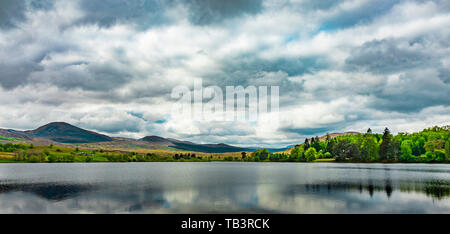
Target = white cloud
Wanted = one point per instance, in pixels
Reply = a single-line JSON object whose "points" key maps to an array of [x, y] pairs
{"points": [[63, 64]]}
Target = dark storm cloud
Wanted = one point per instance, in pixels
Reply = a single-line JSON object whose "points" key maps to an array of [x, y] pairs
{"points": [[309, 5], [339, 14], [413, 92], [90, 77], [41, 4], [17, 65], [444, 5], [423, 79], [147, 13], [444, 75], [244, 69], [292, 66], [359, 15], [338, 126], [390, 56], [13, 75], [128, 125], [319, 5], [205, 12], [12, 12], [310, 131], [107, 13]]}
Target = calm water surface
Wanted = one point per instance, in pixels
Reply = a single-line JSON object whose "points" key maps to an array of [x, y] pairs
{"points": [[224, 188]]}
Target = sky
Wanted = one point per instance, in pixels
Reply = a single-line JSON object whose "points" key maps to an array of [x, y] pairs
{"points": [[110, 66]]}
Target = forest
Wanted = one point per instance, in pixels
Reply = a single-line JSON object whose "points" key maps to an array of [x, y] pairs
{"points": [[430, 145]]}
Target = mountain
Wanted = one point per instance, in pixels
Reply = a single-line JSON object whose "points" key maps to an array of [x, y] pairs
{"points": [[13, 134], [208, 148], [156, 139], [65, 133], [190, 146]]}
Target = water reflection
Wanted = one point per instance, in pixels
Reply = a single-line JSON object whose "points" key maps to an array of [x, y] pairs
{"points": [[434, 189], [223, 188], [52, 192]]}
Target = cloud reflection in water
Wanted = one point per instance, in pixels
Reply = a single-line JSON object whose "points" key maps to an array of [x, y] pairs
{"points": [[224, 188]]}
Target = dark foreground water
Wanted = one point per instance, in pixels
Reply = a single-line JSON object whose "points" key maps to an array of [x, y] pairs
{"points": [[224, 188]]}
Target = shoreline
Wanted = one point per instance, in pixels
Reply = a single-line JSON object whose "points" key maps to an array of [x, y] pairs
{"points": [[223, 161]]}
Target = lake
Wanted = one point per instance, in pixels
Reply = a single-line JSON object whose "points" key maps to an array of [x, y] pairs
{"points": [[224, 187]]}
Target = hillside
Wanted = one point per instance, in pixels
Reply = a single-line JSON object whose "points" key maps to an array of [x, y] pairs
{"points": [[190, 146], [64, 134], [8, 133], [60, 133]]}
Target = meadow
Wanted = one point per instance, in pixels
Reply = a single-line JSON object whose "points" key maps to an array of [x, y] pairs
{"points": [[29, 153]]}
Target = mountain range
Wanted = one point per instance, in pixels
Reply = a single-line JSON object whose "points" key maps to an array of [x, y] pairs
{"points": [[64, 133]]}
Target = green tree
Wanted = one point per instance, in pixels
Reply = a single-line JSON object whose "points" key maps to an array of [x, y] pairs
{"points": [[306, 145], [369, 148], [315, 142], [262, 154], [330, 146], [70, 158], [244, 155], [342, 149], [320, 154], [418, 147], [406, 150], [310, 154], [430, 146], [297, 153], [394, 149], [385, 147], [353, 149], [439, 156], [52, 158], [275, 157], [34, 159], [447, 150]]}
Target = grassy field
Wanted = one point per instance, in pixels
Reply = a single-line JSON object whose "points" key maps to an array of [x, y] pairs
{"points": [[4, 155], [7, 157], [7, 161], [2, 138], [325, 160], [39, 154]]}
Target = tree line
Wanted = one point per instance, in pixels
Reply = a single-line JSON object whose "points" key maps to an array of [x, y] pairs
{"points": [[429, 145]]}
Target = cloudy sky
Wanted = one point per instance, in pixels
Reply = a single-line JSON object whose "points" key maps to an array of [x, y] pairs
{"points": [[110, 66]]}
